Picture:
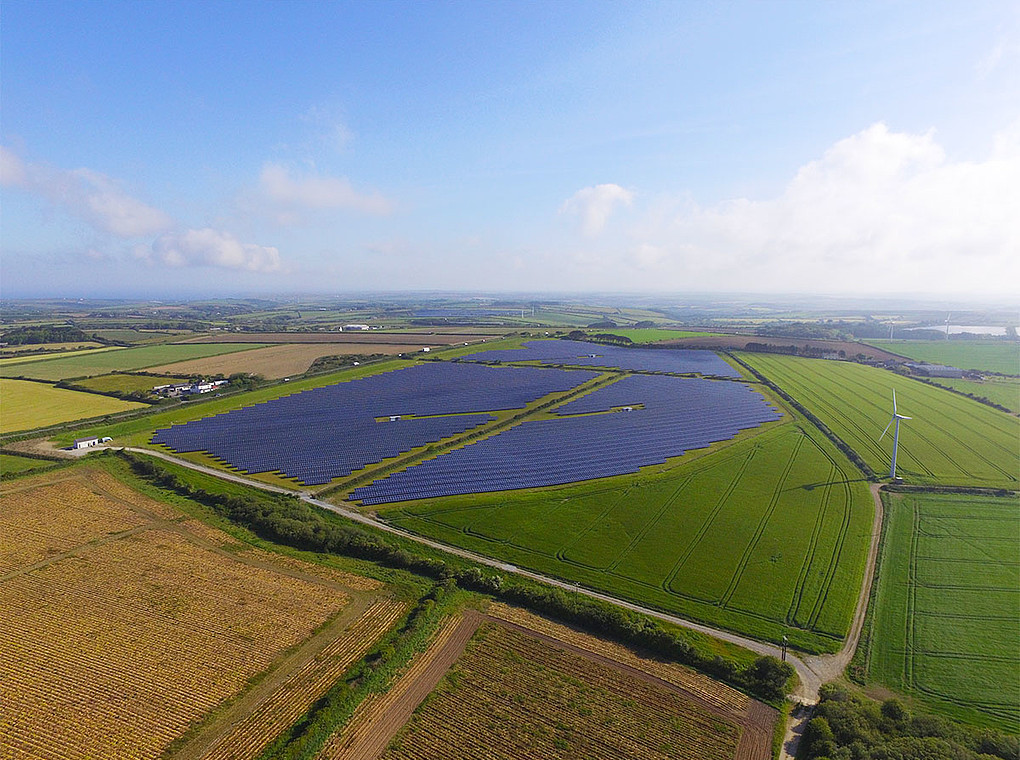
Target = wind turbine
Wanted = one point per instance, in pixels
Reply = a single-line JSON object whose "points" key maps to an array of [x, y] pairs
{"points": [[947, 325], [896, 417]]}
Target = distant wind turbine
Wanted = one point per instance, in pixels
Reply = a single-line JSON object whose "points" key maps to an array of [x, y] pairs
{"points": [[896, 417], [947, 324]]}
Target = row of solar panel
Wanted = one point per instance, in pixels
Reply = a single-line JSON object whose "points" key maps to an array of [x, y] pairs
{"points": [[580, 354]]}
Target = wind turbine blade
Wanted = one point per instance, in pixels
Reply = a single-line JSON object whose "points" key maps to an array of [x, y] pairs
{"points": [[894, 402], [902, 417], [887, 428]]}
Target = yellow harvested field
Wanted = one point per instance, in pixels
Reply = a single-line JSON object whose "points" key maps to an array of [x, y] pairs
{"points": [[350, 580], [134, 630], [46, 520], [27, 405], [41, 357], [275, 362], [78, 344]]}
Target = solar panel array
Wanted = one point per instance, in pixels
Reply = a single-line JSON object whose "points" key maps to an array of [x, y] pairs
{"points": [[578, 353], [329, 432], [675, 414]]}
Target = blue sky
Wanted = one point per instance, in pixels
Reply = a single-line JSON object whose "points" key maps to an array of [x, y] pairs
{"points": [[187, 148]]}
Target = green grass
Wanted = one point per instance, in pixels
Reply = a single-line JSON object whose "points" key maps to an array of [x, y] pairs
{"points": [[1004, 391], [950, 439], [124, 383], [766, 536], [1002, 356], [101, 362], [137, 432], [28, 405], [946, 609], [12, 464]]}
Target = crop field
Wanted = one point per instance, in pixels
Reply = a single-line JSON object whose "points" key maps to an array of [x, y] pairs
{"points": [[279, 361], [946, 617], [950, 439], [8, 360], [1004, 391], [766, 536], [28, 405], [110, 602], [124, 383], [100, 362], [1001, 356], [512, 695], [77, 344]]}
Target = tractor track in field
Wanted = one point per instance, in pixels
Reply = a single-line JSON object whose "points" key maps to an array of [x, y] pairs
{"points": [[813, 670]]}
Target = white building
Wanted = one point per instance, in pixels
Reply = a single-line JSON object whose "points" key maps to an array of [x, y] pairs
{"points": [[84, 443]]}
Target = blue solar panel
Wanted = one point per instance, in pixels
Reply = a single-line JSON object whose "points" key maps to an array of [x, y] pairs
{"points": [[329, 432], [669, 416], [580, 354]]}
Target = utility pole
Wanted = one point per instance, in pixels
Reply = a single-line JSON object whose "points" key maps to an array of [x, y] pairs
{"points": [[784, 648]]}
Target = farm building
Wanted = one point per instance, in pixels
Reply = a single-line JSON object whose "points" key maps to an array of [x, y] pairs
{"points": [[348, 328], [84, 443], [934, 370]]}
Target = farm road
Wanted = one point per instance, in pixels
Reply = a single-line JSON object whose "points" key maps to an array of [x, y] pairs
{"points": [[813, 670]]}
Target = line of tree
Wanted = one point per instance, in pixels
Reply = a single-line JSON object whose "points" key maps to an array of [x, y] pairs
{"points": [[26, 336], [850, 727], [285, 519]]}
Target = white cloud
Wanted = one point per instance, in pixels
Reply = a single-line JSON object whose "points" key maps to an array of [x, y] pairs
{"points": [[879, 211], [594, 206], [316, 192], [86, 194], [12, 169], [209, 247]]}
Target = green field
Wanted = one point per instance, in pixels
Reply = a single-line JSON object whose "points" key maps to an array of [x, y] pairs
{"points": [[1000, 356], [1004, 391], [101, 362], [766, 536], [28, 405], [11, 464], [124, 383], [950, 440], [945, 623]]}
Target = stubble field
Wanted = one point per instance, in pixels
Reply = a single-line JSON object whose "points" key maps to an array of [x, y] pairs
{"points": [[122, 627]]}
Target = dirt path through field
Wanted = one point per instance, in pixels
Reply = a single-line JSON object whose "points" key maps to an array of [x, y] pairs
{"points": [[370, 733]]}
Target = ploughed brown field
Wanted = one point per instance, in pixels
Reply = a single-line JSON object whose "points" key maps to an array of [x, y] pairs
{"points": [[275, 362], [510, 684]]}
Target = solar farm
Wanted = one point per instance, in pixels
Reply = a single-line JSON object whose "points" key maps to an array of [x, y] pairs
{"points": [[579, 354], [330, 432]]}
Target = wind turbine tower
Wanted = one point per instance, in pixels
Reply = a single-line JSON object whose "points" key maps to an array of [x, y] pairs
{"points": [[896, 417]]}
